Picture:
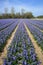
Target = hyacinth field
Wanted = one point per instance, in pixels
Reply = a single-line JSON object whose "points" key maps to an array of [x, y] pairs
{"points": [[21, 50]]}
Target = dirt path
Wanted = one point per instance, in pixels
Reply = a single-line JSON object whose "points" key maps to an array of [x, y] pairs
{"points": [[38, 50], [4, 54]]}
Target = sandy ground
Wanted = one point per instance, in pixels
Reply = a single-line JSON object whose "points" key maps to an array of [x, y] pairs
{"points": [[37, 19], [4, 53], [38, 50]]}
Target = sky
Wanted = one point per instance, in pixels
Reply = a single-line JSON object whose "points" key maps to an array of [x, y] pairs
{"points": [[34, 6]]}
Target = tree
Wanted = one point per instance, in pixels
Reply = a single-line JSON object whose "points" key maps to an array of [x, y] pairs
{"points": [[6, 13], [41, 16], [6, 10], [18, 15], [12, 12], [22, 12], [28, 15]]}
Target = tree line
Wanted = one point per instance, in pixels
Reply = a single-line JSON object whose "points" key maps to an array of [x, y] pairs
{"points": [[12, 14]]}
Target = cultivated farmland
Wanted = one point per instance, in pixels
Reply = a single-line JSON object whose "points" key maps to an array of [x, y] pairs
{"points": [[21, 42]]}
